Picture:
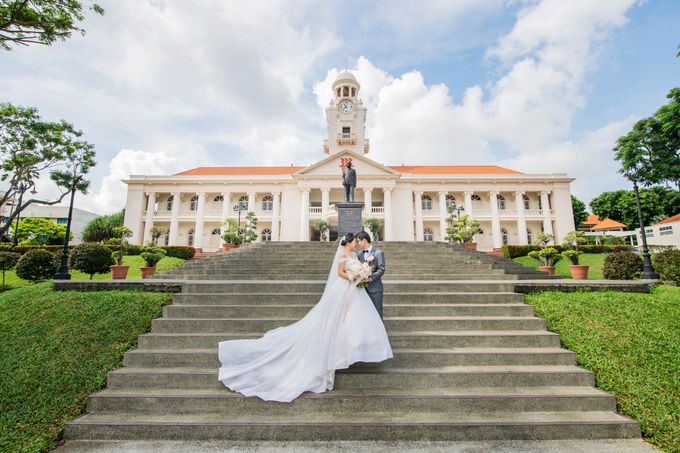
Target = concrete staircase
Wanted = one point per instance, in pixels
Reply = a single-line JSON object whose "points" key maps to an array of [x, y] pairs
{"points": [[472, 362]]}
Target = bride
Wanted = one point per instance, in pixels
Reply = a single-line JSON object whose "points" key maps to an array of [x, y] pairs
{"points": [[341, 329]]}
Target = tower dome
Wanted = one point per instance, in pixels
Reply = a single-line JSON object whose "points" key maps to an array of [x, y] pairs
{"points": [[346, 85]]}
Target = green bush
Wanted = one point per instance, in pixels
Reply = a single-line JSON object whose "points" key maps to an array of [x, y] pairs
{"points": [[36, 265], [515, 251], [134, 250], [8, 261], [152, 255], [21, 249], [667, 264], [571, 255], [547, 256], [178, 251], [91, 258], [622, 266]]}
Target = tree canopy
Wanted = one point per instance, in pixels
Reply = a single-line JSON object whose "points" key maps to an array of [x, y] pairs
{"points": [[656, 203], [36, 231], [579, 210], [103, 227], [24, 22]]}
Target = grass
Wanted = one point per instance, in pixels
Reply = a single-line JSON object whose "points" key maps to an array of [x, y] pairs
{"points": [[134, 261], [55, 349], [632, 343], [594, 260]]}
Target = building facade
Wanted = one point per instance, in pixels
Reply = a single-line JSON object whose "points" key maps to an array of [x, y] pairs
{"points": [[410, 201], [55, 214]]}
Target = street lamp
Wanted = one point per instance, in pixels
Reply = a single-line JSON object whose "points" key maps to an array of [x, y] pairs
{"points": [[62, 273], [648, 272], [457, 208], [23, 187], [239, 207]]}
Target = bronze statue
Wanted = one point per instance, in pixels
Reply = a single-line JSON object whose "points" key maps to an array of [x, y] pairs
{"points": [[349, 180]]}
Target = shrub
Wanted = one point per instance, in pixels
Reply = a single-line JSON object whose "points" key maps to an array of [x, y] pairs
{"points": [[36, 265], [152, 255], [103, 227], [91, 258], [461, 229], [8, 261], [230, 232], [373, 225], [667, 264], [134, 250], [323, 227], [571, 255], [178, 251], [622, 266], [514, 251], [547, 256]]}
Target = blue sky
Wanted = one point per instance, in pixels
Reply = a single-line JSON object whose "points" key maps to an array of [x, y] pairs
{"points": [[540, 86]]}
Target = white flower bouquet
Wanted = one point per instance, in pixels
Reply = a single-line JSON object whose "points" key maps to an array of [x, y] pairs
{"points": [[359, 272]]}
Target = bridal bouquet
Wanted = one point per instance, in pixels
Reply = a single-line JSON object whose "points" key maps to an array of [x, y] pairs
{"points": [[359, 271]]}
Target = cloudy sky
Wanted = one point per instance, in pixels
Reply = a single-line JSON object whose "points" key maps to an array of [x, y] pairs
{"points": [[539, 86]]}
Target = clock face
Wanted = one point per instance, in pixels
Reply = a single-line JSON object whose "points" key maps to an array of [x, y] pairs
{"points": [[346, 106]]}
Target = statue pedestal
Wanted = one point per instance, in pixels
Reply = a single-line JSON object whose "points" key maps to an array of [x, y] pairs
{"points": [[349, 217]]}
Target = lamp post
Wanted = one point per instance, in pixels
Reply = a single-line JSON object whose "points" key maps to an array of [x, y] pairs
{"points": [[23, 187], [239, 207], [62, 273], [648, 272]]}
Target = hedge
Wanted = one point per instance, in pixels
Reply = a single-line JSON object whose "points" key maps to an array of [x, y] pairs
{"points": [[176, 251], [514, 251]]}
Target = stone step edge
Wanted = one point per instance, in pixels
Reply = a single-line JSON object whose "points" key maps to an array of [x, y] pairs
{"points": [[422, 333], [471, 350]]}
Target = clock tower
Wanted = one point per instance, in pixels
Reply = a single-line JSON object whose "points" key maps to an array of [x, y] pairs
{"points": [[346, 118]]}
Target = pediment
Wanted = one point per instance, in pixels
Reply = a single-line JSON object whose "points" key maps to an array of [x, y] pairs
{"points": [[331, 166]]}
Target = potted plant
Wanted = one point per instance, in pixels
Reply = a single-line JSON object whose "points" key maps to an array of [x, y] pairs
{"points": [[155, 233], [574, 239], [120, 271], [462, 230], [373, 225], [151, 257], [232, 238], [323, 227], [250, 230], [547, 257]]}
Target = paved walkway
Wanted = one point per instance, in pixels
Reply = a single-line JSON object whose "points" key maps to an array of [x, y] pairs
{"points": [[516, 446]]}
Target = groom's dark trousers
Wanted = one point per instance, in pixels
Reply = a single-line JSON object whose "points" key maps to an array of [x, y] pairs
{"points": [[375, 287]]}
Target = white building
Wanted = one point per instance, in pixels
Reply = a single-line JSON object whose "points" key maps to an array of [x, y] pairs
{"points": [[666, 232], [56, 214], [410, 201]]}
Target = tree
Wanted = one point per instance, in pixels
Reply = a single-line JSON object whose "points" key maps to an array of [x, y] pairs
{"points": [[655, 202], [103, 227], [461, 229], [608, 205], [8, 261], [91, 259], [155, 233], [30, 148], [579, 211], [27, 22], [373, 225], [323, 227], [250, 231], [36, 231]]}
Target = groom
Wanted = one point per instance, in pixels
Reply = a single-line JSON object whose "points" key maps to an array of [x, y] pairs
{"points": [[376, 259]]}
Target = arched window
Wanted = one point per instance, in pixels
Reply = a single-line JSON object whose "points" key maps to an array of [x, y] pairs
{"points": [[426, 201], [450, 201], [428, 235], [267, 203], [338, 92], [193, 204], [526, 203], [216, 231], [475, 197], [243, 201], [504, 235], [168, 203], [218, 198], [501, 202], [266, 235], [530, 237], [190, 238]]}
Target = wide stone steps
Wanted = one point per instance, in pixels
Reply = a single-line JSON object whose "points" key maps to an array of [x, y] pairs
{"points": [[374, 425], [316, 286], [273, 275]]}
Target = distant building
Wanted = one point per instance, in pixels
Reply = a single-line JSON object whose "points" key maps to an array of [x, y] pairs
{"points": [[56, 214], [594, 224], [666, 232]]}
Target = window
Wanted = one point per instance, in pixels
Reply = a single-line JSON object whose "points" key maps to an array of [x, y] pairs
{"points": [[218, 198], [345, 91], [450, 201], [166, 239], [501, 202], [504, 235], [345, 130], [62, 221], [428, 235], [193, 204], [530, 237], [475, 198], [266, 235], [338, 92], [354, 92], [649, 232], [216, 231], [168, 203], [526, 204], [426, 202], [267, 203], [190, 238], [243, 202], [665, 230]]}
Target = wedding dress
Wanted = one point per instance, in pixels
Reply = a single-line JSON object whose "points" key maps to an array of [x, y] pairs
{"points": [[341, 329]]}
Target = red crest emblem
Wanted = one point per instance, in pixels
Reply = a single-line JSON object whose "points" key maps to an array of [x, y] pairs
{"points": [[343, 162]]}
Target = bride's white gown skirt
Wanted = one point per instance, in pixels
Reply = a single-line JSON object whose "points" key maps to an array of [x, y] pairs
{"points": [[341, 329]]}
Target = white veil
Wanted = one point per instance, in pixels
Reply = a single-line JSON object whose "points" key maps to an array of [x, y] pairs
{"points": [[333, 273]]}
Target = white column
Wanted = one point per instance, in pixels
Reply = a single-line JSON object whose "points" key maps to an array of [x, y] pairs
{"points": [[545, 207], [148, 223], [495, 221], [368, 202], [174, 219], [276, 209], [418, 196], [388, 234], [226, 209], [304, 215], [325, 202], [442, 216], [468, 203], [200, 214], [251, 201], [521, 218]]}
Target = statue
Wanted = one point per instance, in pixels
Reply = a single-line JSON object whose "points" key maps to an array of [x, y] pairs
{"points": [[349, 180]]}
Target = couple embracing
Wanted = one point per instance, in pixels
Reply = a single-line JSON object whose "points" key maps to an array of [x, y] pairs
{"points": [[345, 326]]}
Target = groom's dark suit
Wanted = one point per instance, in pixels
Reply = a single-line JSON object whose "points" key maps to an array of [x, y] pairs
{"points": [[375, 286]]}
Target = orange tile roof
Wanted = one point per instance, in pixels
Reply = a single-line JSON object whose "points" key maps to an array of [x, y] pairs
{"points": [[591, 220], [243, 171], [454, 170], [675, 218], [607, 224]]}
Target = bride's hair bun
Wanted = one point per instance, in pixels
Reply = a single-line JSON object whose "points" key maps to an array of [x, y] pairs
{"points": [[349, 237]]}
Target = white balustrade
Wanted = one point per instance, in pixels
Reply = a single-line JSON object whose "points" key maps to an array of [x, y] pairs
{"points": [[315, 210], [377, 210], [507, 212], [163, 214], [534, 212]]}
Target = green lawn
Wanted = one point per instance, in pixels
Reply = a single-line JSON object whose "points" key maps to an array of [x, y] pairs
{"points": [[594, 260], [632, 343], [134, 261], [55, 349]]}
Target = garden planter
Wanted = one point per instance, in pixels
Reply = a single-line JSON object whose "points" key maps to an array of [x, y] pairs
{"points": [[470, 245], [547, 269], [119, 272], [147, 271], [227, 247], [579, 272]]}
